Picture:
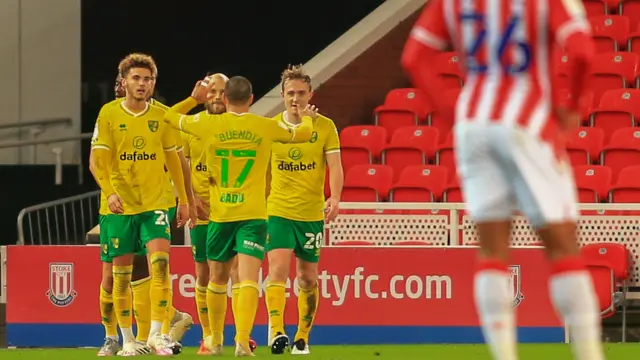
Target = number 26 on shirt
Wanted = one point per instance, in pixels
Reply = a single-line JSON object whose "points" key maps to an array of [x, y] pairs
{"points": [[505, 39]]}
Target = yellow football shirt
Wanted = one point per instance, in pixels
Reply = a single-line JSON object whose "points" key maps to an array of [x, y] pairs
{"points": [[298, 172], [194, 149], [237, 156], [137, 143], [169, 192]]}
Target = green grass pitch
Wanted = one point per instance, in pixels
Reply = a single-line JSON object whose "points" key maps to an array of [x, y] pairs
{"points": [[404, 352]]}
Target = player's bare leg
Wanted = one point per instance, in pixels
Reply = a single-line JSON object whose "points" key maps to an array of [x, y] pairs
{"points": [[571, 290], [279, 270], [248, 273], [308, 301], [492, 293], [217, 303], [111, 344], [202, 282], [158, 250]]}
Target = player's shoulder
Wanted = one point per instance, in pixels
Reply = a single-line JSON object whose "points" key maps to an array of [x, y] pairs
{"points": [[157, 103], [111, 105], [155, 110], [322, 120]]}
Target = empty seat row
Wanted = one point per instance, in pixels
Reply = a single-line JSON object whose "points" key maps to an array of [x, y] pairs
{"points": [[432, 183]]}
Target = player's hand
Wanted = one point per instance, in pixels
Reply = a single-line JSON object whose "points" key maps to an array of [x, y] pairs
{"points": [[115, 204], [202, 208], [568, 119], [309, 110], [182, 214], [202, 91], [193, 216], [331, 208]]}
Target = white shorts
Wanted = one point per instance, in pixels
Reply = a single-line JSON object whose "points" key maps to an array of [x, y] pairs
{"points": [[506, 169]]}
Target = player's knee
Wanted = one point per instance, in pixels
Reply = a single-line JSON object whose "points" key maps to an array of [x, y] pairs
{"points": [[202, 274], [279, 264], [218, 273], [234, 275], [560, 240], [140, 268], [307, 275], [107, 282]]}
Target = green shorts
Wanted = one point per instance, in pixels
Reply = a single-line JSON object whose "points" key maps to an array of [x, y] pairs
{"points": [[225, 240], [199, 242], [128, 234], [303, 237]]}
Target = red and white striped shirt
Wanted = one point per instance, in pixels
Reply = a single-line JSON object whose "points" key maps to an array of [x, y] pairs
{"points": [[506, 48]]}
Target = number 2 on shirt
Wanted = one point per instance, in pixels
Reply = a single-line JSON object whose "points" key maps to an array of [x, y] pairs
{"points": [[224, 168], [473, 65]]}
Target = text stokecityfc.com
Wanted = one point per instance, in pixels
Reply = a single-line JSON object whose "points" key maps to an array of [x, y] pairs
{"points": [[358, 284]]}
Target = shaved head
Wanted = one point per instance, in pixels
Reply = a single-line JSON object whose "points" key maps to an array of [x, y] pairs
{"points": [[216, 104]]}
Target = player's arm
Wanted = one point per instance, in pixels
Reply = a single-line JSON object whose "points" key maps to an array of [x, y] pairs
{"points": [[268, 179], [334, 163], [427, 39], [572, 31], [101, 150], [186, 172], [190, 124], [174, 165], [281, 133]]}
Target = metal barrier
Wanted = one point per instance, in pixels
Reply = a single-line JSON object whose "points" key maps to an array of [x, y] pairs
{"points": [[60, 222]]}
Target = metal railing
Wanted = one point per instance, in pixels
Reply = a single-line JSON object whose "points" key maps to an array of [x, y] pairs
{"points": [[21, 124], [59, 222]]}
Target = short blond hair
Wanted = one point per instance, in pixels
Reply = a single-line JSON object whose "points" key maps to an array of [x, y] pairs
{"points": [[295, 72], [137, 60]]}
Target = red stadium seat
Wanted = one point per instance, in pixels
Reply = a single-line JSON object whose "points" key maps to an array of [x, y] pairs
{"points": [[633, 42], [617, 258], [445, 155], [610, 32], [622, 149], [361, 144], [444, 125], [402, 107], [630, 9], [604, 287], [613, 70], [410, 145], [592, 182], [584, 145], [448, 68], [419, 184], [595, 7], [627, 187], [618, 109], [367, 183], [453, 192], [562, 65]]}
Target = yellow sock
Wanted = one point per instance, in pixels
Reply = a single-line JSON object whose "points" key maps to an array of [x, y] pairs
{"points": [[142, 307], [235, 291], [122, 300], [171, 312], [108, 314], [217, 305], [307, 307], [276, 298], [247, 308], [203, 313], [160, 289]]}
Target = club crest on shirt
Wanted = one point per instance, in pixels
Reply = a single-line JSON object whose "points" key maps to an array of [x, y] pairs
{"points": [[153, 125], [515, 281], [61, 278]]}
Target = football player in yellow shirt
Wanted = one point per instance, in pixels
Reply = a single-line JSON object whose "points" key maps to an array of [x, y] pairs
{"points": [[297, 211], [177, 322], [237, 157], [131, 147]]}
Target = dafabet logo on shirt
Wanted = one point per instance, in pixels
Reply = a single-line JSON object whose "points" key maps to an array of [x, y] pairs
{"points": [[137, 156]]}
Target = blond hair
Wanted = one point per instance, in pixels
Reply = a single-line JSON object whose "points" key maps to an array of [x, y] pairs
{"points": [[295, 72], [137, 60]]}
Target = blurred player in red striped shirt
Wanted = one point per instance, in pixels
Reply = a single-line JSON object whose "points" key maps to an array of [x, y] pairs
{"points": [[509, 149]]}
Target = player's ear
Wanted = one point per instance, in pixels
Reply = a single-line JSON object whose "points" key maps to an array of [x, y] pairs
{"points": [[311, 94], [250, 99], [225, 100], [282, 93]]}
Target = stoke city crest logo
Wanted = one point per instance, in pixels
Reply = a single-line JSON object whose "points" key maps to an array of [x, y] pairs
{"points": [[61, 277], [515, 280]]}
